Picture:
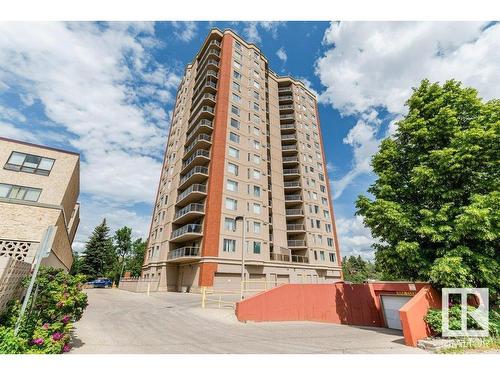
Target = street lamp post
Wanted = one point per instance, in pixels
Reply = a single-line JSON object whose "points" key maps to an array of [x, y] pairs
{"points": [[242, 219]]}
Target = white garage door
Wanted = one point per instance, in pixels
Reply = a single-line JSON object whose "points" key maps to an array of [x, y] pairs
{"points": [[391, 306], [227, 282]]}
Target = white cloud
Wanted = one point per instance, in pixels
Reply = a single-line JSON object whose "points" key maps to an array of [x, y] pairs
{"points": [[105, 94], [355, 238], [281, 53], [373, 65], [251, 29], [11, 114], [185, 30]]}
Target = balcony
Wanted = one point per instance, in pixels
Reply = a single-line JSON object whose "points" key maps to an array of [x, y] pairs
{"points": [[287, 138], [287, 149], [203, 125], [300, 259], [208, 64], [200, 157], [286, 108], [285, 89], [296, 243], [275, 257], [287, 128], [211, 52], [192, 194], [290, 160], [189, 213], [294, 212], [207, 86], [287, 117], [291, 172], [202, 113], [201, 141], [293, 198], [188, 232], [285, 98], [291, 186], [196, 175], [295, 227], [204, 99], [183, 254]]}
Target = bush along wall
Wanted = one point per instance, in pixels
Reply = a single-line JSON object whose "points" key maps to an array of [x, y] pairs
{"points": [[57, 302]]}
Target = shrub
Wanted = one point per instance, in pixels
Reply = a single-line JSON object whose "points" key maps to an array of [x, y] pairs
{"points": [[434, 320], [46, 325]]}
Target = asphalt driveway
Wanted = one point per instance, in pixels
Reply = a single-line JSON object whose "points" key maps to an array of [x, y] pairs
{"points": [[117, 321]]}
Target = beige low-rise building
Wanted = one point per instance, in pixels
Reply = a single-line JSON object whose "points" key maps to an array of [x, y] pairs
{"points": [[244, 179], [39, 187]]}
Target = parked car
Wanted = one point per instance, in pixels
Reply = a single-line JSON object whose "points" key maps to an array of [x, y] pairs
{"points": [[102, 283]]}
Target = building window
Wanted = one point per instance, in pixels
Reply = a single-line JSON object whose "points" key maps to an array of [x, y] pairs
{"points": [[256, 84], [256, 145], [234, 137], [237, 45], [230, 224], [19, 161], [256, 191], [234, 152], [256, 159], [256, 208], [237, 64], [237, 55], [329, 242], [236, 98], [256, 247], [229, 245], [232, 185], [256, 118], [236, 75], [256, 106], [235, 123], [235, 110], [232, 168], [332, 257], [256, 95], [19, 192], [256, 227], [322, 255], [256, 131], [256, 174], [231, 204]]}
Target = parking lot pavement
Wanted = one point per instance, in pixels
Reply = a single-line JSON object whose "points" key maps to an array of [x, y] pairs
{"points": [[117, 321]]}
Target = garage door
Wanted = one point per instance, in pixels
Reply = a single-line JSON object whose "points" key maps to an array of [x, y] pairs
{"points": [[227, 281], [391, 306]]}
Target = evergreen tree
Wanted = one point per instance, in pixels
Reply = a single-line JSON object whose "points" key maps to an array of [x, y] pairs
{"points": [[99, 255], [76, 267], [436, 201], [357, 270]]}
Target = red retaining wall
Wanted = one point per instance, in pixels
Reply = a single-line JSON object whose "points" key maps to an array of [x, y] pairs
{"points": [[413, 312], [352, 304]]}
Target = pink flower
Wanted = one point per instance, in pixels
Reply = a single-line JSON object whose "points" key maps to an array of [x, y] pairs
{"points": [[56, 336], [66, 348], [38, 341], [45, 326], [65, 319]]}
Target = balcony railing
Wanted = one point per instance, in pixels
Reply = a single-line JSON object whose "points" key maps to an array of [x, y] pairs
{"points": [[279, 257], [291, 171], [202, 153], [193, 207], [296, 243], [294, 212], [195, 170], [202, 123], [288, 137], [289, 159], [290, 184], [287, 117], [300, 259], [286, 106], [287, 126], [284, 89], [200, 137], [289, 148], [295, 227], [193, 188], [293, 197], [188, 228], [186, 251], [286, 97]]}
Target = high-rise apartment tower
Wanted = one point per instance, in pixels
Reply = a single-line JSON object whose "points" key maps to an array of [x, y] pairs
{"points": [[244, 171]]}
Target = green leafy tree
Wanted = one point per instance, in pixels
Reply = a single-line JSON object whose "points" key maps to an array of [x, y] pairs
{"points": [[436, 202], [76, 267], [100, 254], [123, 246], [136, 259], [357, 270]]}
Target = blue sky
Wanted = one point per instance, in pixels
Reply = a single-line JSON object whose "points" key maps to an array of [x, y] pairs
{"points": [[106, 90]]}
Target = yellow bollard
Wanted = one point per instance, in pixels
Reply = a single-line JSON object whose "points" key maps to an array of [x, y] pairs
{"points": [[203, 296]]}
